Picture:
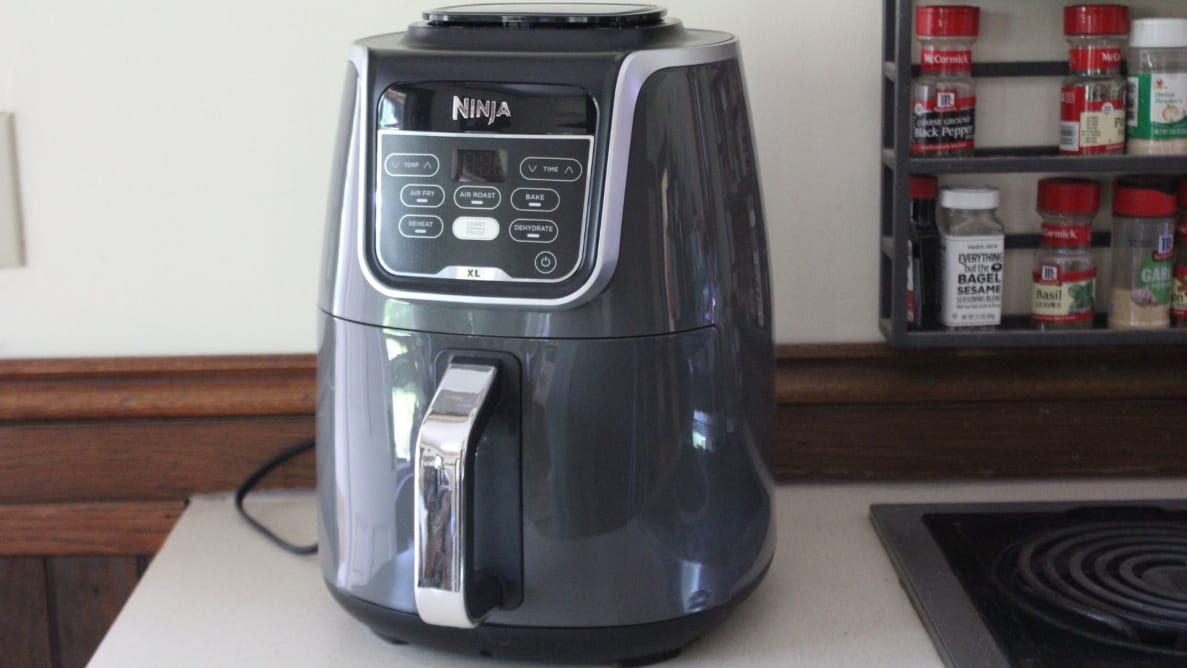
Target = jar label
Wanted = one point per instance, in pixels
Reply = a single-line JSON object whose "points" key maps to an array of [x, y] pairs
{"points": [[1094, 58], [1062, 297], [1066, 236], [970, 274], [946, 60], [1085, 126], [1157, 106], [1153, 281], [943, 123], [1179, 293]]}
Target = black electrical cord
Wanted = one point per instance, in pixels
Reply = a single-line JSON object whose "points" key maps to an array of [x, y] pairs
{"points": [[254, 479]]}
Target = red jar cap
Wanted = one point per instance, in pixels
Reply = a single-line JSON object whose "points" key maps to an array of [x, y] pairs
{"points": [[1151, 195], [1066, 195], [947, 21], [922, 187], [1096, 20]]}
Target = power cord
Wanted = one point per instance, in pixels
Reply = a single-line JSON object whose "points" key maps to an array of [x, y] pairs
{"points": [[254, 479]]}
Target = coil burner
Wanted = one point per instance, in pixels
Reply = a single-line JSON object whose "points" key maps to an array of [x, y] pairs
{"points": [[1116, 583]]}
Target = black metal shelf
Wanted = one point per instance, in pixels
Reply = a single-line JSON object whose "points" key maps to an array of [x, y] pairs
{"points": [[898, 165], [1013, 333], [1034, 159]]}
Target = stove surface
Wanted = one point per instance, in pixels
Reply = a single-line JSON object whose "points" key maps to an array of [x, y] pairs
{"points": [[1050, 585]]}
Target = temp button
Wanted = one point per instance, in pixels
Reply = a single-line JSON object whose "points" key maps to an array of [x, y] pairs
{"points": [[532, 231], [472, 228], [535, 199], [411, 164]]}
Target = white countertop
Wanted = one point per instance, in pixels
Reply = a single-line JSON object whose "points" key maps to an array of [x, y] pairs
{"points": [[218, 594]]}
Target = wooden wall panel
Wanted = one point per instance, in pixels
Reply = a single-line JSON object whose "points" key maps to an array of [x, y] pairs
{"points": [[86, 594], [986, 440], [127, 527], [24, 613], [147, 460]]}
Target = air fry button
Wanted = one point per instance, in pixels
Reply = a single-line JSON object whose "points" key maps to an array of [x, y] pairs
{"points": [[545, 262], [550, 169], [532, 231]]}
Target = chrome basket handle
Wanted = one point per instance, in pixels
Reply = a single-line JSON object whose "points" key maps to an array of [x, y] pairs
{"points": [[444, 454]]}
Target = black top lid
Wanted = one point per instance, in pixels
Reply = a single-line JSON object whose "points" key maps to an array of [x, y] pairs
{"points": [[547, 14]]}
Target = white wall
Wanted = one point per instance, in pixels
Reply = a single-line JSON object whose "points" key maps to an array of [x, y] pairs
{"points": [[175, 156]]}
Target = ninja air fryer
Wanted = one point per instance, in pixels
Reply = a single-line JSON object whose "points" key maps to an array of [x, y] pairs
{"points": [[545, 376]]}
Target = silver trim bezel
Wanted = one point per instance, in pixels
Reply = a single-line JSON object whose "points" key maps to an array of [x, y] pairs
{"points": [[439, 297], [636, 68]]}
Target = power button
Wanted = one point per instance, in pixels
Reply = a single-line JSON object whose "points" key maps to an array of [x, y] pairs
{"points": [[545, 262]]}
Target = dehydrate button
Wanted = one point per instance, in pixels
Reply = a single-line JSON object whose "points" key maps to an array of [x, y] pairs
{"points": [[533, 231]]}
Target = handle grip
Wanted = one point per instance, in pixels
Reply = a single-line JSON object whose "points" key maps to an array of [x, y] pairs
{"points": [[447, 590]]}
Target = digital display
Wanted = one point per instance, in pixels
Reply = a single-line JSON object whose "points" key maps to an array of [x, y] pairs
{"points": [[475, 166]]}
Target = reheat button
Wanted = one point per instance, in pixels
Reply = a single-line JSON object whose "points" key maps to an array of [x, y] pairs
{"points": [[532, 231], [421, 227]]}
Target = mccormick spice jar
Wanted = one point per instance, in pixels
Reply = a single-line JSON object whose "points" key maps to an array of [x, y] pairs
{"points": [[1179, 282], [1143, 246], [972, 256], [1092, 105], [922, 249], [1064, 287], [943, 100], [1157, 106]]}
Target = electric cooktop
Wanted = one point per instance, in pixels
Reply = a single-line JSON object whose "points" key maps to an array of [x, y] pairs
{"points": [[1045, 585]]}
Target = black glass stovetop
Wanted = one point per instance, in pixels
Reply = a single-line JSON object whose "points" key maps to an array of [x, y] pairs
{"points": [[1045, 585]]}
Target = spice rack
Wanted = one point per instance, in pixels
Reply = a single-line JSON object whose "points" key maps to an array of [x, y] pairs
{"points": [[898, 165]]}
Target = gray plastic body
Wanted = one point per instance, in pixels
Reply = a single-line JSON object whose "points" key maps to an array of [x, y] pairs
{"points": [[623, 478]]}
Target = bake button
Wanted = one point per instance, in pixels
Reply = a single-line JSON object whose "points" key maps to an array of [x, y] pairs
{"points": [[545, 262], [477, 197], [421, 195], [532, 231], [535, 199], [550, 169], [470, 228], [411, 164], [416, 226]]}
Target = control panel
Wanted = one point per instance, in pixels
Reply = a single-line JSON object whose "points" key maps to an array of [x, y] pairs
{"points": [[481, 207]]}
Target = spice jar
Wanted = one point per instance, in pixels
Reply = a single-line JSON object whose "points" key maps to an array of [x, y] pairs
{"points": [[922, 248], [972, 256], [1092, 105], [943, 98], [1156, 116], [1064, 287], [1143, 243], [1179, 283]]}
